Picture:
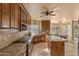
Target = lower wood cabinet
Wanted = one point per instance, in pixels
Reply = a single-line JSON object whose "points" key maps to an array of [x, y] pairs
{"points": [[57, 48], [39, 38]]}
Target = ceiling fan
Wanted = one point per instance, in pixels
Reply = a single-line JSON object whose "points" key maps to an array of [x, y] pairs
{"points": [[47, 13]]}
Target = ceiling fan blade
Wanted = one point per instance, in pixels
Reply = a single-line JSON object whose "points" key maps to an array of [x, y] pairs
{"points": [[51, 11], [42, 16], [52, 14], [43, 12]]}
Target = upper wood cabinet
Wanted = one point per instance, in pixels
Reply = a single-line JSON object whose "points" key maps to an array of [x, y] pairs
{"points": [[13, 15], [28, 20], [23, 20], [0, 14], [5, 15], [17, 15], [23, 17]]}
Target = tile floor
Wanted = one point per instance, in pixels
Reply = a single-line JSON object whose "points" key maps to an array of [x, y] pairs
{"points": [[41, 49], [71, 48]]}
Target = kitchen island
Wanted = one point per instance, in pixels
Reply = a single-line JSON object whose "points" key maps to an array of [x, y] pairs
{"points": [[57, 45]]}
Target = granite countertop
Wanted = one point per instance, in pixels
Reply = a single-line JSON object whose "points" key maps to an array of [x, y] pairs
{"points": [[56, 38], [13, 49], [52, 37]]}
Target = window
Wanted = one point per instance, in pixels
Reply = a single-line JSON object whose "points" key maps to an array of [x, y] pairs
{"points": [[35, 27], [59, 31], [75, 28], [55, 28]]}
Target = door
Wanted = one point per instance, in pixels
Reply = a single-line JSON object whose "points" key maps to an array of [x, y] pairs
{"points": [[45, 25]]}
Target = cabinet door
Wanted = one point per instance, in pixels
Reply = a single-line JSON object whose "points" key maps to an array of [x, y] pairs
{"points": [[53, 49], [22, 16], [57, 48], [25, 18], [0, 15], [6, 15], [28, 19], [12, 15], [17, 15]]}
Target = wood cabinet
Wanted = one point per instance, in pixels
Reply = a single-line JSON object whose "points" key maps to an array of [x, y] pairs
{"points": [[28, 19], [23, 20], [39, 38], [23, 17], [5, 15], [57, 48], [0, 14], [12, 15], [17, 15]]}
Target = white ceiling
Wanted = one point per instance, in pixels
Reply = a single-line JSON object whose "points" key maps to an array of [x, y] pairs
{"points": [[62, 11]]}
